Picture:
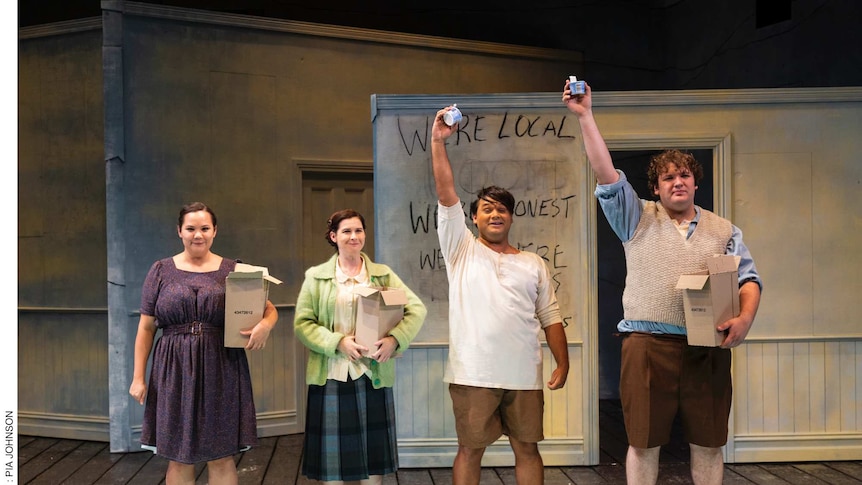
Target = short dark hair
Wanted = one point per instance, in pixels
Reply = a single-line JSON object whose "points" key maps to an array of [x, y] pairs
{"points": [[195, 207], [495, 194], [683, 160], [336, 218]]}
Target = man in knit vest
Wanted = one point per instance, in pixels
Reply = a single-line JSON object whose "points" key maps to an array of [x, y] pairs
{"points": [[500, 299], [661, 375]]}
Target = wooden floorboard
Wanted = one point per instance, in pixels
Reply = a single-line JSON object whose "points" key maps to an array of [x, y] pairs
{"points": [[284, 466], [828, 474], [555, 476], [791, 474], [674, 474], [252, 467], [69, 464], [583, 475], [414, 477], [124, 470], [95, 467], [152, 472], [612, 473], [441, 475], [46, 459], [749, 473], [504, 475], [277, 461], [33, 448], [849, 468]]}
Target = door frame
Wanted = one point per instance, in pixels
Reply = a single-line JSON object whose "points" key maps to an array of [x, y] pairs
{"points": [[300, 167], [722, 173]]}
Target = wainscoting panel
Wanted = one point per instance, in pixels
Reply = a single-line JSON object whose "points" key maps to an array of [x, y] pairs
{"points": [[797, 399]]}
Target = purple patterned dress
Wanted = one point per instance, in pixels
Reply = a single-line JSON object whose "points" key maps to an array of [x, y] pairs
{"points": [[199, 401]]}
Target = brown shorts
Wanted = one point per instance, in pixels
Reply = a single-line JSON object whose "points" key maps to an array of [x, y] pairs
{"points": [[662, 375], [484, 414]]}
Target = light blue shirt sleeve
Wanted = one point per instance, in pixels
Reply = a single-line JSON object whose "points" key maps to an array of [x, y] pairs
{"points": [[621, 205], [623, 209], [747, 271]]}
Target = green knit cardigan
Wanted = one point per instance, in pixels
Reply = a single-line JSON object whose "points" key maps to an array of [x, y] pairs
{"points": [[315, 310]]}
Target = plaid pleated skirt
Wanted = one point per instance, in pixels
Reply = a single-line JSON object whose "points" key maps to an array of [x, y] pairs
{"points": [[349, 431]]}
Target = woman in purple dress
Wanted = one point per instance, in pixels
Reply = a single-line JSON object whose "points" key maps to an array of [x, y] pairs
{"points": [[199, 404]]}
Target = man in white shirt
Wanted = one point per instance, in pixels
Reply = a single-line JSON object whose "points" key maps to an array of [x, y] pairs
{"points": [[499, 300]]}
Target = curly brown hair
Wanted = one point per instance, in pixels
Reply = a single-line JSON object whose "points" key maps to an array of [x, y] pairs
{"points": [[683, 160]]}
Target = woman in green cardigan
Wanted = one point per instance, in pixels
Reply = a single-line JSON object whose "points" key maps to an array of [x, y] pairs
{"points": [[350, 415]]}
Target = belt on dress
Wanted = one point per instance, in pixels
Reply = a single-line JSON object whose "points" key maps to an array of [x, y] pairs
{"points": [[194, 328]]}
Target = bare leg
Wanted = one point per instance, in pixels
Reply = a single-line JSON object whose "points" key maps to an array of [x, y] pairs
{"points": [[180, 474], [642, 465], [707, 465], [222, 471], [529, 468], [468, 466]]}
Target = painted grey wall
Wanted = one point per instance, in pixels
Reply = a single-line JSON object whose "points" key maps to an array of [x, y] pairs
{"points": [[192, 107], [62, 338]]}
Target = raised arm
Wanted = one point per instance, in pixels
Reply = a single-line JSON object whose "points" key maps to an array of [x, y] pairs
{"points": [[444, 180], [597, 151]]}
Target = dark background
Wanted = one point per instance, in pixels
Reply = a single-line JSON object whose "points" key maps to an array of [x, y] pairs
{"points": [[627, 44]]}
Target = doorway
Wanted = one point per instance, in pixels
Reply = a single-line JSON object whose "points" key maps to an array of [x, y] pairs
{"points": [[326, 192], [327, 188]]}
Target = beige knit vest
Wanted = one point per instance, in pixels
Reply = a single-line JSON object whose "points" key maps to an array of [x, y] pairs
{"points": [[657, 255]]}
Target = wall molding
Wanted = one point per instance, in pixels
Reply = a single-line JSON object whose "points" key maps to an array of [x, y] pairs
{"points": [[750, 448], [276, 423], [332, 165], [60, 28], [66, 426], [440, 453], [800, 338], [625, 99], [66, 310], [96, 428]]}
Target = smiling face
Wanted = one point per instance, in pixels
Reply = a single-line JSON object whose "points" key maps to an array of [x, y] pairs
{"points": [[493, 220], [675, 187], [197, 232], [350, 236]]}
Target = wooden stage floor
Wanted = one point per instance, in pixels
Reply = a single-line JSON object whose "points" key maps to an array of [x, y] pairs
{"points": [[276, 461]]}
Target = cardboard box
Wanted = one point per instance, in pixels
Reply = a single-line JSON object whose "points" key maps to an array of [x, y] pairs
{"points": [[710, 298], [246, 292], [379, 310]]}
